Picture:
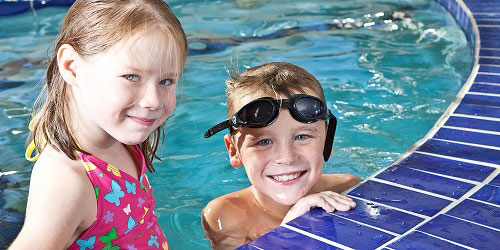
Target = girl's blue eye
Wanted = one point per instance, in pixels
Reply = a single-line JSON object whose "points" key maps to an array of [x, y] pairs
{"points": [[264, 142], [302, 137], [131, 77], [167, 81]]}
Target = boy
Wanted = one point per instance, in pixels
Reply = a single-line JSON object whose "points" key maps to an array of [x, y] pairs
{"points": [[280, 134]]}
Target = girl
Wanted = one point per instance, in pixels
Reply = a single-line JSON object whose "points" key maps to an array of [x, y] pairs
{"points": [[111, 84]]}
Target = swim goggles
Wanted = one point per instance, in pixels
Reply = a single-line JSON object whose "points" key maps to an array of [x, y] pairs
{"points": [[264, 111]]}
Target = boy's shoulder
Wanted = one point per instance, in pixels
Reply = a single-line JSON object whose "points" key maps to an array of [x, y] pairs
{"points": [[335, 182], [225, 219], [229, 208]]}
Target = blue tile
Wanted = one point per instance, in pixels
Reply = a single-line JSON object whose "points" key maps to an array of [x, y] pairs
{"points": [[485, 88], [487, 78], [340, 230], [283, 238], [488, 193], [468, 136], [444, 3], [428, 182], [488, 32], [490, 43], [491, 61], [453, 9], [462, 232], [487, 22], [401, 198], [464, 122], [489, 52], [495, 181], [447, 167], [474, 211], [418, 240], [479, 8], [468, 109], [491, 69], [493, 101], [461, 151], [486, 15], [381, 217]]}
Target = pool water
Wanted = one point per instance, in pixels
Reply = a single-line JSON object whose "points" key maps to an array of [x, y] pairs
{"points": [[389, 69]]}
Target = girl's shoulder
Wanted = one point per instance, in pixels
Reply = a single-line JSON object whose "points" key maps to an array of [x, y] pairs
{"points": [[53, 163], [61, 199]]}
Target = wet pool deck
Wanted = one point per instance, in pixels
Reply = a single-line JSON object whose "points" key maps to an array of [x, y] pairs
{"points": [[444, 192]]}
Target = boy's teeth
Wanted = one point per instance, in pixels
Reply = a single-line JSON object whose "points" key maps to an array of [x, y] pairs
{"points": [[286, 177]]}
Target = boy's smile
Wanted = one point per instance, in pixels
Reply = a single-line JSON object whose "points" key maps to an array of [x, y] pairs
{"points": [[283, 160]]}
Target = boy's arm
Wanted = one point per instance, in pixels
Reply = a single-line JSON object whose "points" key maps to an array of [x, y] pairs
{"points": [[56, 207], [224, 224]]}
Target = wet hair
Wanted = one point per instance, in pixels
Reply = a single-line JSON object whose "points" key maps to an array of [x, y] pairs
{"points": [[92, 27], [273, 79]]}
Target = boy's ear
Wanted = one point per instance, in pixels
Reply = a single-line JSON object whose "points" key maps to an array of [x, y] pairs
{"points": [[234, 156], [67, 62]]}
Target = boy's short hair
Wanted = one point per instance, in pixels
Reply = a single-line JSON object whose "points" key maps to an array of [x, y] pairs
{"points": [[275, 79]]}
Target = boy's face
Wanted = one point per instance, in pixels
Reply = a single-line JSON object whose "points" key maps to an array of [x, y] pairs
{"points": [[283, 160]]}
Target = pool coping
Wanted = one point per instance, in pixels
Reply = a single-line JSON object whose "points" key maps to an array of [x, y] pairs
{"points": [[422, 231]]}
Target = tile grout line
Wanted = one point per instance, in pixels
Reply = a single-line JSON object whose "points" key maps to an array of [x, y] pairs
{"points": [[484, 202], [416, 190], [469, 144], [483, 94], [477, 117], [473, 222], [446, 176], [316, 237], [487, 164], [450, 206], [481, 131], [444, 239], [390, 207]]}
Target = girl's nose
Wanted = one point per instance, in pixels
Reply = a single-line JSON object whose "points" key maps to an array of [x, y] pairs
{"points": [[151, 97]]}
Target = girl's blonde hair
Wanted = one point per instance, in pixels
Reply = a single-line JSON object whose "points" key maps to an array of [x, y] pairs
{"points": [[92, 27]]}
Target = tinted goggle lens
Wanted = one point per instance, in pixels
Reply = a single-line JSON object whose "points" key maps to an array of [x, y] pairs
{"points": [[256, 113], [309, 108]]}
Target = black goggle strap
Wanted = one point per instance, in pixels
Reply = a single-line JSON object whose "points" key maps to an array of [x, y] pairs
{"points": [[219, 127], [330, 134]]}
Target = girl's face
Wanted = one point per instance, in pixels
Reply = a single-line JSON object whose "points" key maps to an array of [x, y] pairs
{"points": [[126, 92]]}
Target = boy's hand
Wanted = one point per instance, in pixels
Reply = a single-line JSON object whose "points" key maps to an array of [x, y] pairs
{"points": [[328, 200]]}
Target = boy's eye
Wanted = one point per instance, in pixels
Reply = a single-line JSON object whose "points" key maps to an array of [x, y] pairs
{"points": [[264, 142], [168, 81], [302, 137], [131, 77]]}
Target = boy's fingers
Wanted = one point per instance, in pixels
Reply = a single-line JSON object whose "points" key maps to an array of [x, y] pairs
{"points": [[344, 198], [338, 203], [326, 204]]}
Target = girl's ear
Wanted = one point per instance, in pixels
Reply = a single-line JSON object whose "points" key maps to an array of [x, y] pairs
{"points": [[234, 155], [67, 62]]}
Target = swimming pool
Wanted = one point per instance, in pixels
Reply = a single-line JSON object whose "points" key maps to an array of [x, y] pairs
{"points": [[387, 81]]}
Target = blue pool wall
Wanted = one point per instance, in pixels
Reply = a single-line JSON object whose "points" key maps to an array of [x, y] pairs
{"points": [[443, 192]]}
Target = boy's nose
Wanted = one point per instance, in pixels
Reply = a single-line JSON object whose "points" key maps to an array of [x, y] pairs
{"points": [[285, 153], [150, 97]]}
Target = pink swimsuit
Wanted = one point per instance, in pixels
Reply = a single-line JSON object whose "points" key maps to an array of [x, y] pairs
{"points": [[125, 205]]}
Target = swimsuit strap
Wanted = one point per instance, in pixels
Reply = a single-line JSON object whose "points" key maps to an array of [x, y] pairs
{"points": [[32, 146]]}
